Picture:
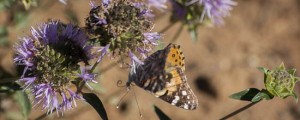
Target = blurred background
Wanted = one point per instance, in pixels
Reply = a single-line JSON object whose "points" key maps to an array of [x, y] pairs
{"points": [[223, 61]]}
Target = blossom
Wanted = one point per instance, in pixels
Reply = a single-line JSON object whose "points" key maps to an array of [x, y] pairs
{"points": [[213, 10], [280, 82], [123, 27], [63, 1], [87, 77], [51, 57], [158, 4]]}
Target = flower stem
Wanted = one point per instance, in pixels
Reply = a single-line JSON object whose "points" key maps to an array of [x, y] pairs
{"points": [[13, 79], [239, 110]]}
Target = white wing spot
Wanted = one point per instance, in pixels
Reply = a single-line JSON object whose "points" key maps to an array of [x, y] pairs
{"points": [[154, 86], [186, 106], [184, 93], [175, 100], [176, 97], [188, 97]]}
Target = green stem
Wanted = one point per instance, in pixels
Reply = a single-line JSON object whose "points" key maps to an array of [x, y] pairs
{"points": [[13, 79], [239, 110]]}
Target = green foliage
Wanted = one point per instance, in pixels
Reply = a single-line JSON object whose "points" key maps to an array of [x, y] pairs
{"points": [[94, 101], [24, 103], [21, 19], [252, 94], [280, 82], [193, 32], [28, 3], [3, 36], [9, 86], [6, 4], [160, 114]]}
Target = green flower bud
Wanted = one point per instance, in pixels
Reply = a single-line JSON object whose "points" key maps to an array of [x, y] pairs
{"points": [[280, 82]]}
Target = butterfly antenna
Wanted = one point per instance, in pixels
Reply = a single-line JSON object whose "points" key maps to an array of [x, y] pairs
{"points": [[127, 91], [137, 103]]}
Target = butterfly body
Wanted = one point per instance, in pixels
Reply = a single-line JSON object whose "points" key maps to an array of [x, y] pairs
{"points": [[162, 74]]}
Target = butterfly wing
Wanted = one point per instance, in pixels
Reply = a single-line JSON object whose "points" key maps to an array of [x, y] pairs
{"points": [[177, 91], [163, 75]]}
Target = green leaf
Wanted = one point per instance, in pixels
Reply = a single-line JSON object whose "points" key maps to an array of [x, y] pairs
{"points": [[295, 96], [160, 114], [6, 4], [94, 101], [193, 32], [96, 87], [246, 95], [292, 71], [3, 36], [297, 79], [263, 94], [281, 66], [21, 19], [264, 70], [9, 86], [28, 3], [24, 103], [160, 46]]}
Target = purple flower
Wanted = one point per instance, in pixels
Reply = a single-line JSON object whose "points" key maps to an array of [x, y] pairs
{"points": [[143, 52], [215, 10], [87, 77], [111, 25], [106, 2], [104, 51], [178, 10], [134, 62], [158, 4], [51, 57], [63, 1], [152, 38]]}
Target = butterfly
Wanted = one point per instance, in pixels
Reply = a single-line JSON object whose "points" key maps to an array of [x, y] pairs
{"points": [[162, 74]]}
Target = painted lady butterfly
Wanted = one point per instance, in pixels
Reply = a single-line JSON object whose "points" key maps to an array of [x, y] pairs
{"points": [[163, 75]]}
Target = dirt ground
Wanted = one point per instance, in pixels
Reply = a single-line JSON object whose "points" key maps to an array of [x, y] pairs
{"points": [[223, 61]]}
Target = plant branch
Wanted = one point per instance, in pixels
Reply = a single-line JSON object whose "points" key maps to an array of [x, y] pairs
{"points": [[13, 79], [239, 110]]}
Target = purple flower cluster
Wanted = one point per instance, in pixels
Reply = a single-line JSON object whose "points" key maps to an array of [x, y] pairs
{"points": [[51, 56], [158, 4], [200, 10], [215, 10], [111, 25]]}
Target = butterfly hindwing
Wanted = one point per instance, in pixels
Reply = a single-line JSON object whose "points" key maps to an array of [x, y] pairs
{"points": [[177, 92]]}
